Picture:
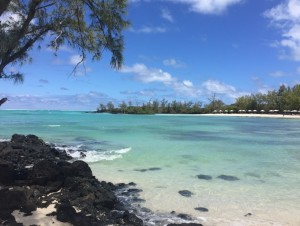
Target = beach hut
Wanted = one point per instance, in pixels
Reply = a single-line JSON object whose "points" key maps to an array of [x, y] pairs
{"points": [[262, 111], [294, 112], [249, 111]]}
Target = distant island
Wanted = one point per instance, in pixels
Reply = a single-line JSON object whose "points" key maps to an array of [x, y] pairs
{"points": [[285, 100]]}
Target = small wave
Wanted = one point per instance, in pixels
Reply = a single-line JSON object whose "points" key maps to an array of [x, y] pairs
{"points": [[54, 125], [79, 152], [96, 156], [4, 140]]}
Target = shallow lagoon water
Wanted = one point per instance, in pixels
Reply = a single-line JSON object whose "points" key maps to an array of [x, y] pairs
{"points": [[263, 153]]}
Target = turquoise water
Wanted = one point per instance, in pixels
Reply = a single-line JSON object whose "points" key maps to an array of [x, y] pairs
{"points": [[263, 153]]}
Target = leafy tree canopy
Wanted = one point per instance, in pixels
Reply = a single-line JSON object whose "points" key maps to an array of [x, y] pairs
{"points": [[90, 26]]}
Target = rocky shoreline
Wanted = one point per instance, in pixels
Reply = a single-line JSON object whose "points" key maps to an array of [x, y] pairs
{"points": [[34, 176]]}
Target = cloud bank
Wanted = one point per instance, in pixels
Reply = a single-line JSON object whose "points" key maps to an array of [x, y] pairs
{"points": [[286, 18], [183, 88], [208, 6]]}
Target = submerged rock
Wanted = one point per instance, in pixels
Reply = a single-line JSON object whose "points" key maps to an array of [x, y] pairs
{"points": [[186, 193], [228, 178], [154, 169], [184, 216], [201, 209], [185, 224], [204, 177]]}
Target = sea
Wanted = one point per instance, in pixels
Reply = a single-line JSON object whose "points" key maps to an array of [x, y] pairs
{"points": [[213, 170]]}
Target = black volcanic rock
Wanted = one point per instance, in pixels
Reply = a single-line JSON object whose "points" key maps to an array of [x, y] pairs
{"points": [[228, 178], [34, 174]]}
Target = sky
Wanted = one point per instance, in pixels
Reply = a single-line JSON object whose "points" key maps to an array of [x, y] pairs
{"points": [[184, 50]]}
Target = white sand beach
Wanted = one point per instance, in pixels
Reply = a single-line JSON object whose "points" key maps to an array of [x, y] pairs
{"points": [[257, 115], [39, 217]]}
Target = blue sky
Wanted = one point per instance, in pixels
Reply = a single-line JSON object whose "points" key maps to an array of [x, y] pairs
{"points": [[174, 49]]}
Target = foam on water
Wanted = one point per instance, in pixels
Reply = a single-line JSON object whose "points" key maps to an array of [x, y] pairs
{"points": [[54, 125], [91, 156]]}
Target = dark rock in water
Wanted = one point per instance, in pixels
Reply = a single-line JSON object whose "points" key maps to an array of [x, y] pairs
{"points": [[82, 155], [132, 184], [172, 212], [132, 219], [141, 170], [228, 178], [204, 177], [149, 169], [184, 216], [185, 224], [134, 190], [248, 215], [185, 193], [154, 169], [201, 209], [136, 199], [146, 210]]}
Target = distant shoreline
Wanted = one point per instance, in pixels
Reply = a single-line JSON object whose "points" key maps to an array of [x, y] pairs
{"points": [[258, 115]]}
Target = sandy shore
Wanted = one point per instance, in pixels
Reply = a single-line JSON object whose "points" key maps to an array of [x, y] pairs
{"points": [[257, 115]]}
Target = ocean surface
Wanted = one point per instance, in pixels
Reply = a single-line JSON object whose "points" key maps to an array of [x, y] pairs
{"points": [[164, 154]]}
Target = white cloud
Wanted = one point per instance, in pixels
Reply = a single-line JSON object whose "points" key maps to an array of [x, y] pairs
{"points": [[75, 59], [166, 14], [261, 87], [277, 74], [187, 83], [173, 63], [149, 30], [218, 87], [208, 6], [184, 88], [147, 75], [83, 101], [146, 93], [286, 17]]}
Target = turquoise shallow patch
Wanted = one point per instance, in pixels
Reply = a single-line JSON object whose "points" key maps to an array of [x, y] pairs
{"points": [[166, 154]]}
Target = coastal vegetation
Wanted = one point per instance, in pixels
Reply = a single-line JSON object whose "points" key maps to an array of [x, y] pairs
{"points": [[153, 107], [285, 100]]}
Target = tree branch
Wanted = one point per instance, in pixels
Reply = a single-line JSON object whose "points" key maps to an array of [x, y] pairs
{"points": [[21, 51]]}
